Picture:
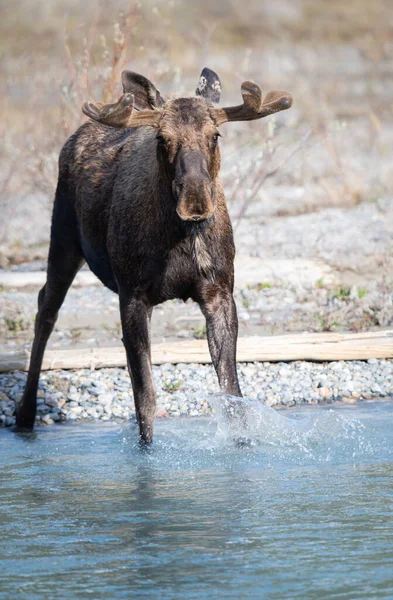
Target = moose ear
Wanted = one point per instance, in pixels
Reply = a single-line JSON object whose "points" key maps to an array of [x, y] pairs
{"points": [[209, 86], [146, 95]]}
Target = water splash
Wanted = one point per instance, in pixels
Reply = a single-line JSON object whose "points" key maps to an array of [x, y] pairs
{"points": [[324, 436], [245, 433]]}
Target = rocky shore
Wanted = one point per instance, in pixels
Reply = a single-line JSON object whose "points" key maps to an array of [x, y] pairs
{"points": [[184, 389]]}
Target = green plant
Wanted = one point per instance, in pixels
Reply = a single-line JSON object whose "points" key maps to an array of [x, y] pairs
{"points": [[115, 331], [200, 332], [259, 286], [326, 323], [15, 325], [172, 386], [75, 335], [362, 292], [263, 286], [246, 303], [320, 283], [342, 293]]}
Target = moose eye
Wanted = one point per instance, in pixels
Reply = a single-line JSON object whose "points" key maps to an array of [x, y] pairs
{"points": [[215, 137], [160, 139]]}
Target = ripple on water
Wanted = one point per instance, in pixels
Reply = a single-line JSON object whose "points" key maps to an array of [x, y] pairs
{"points": [[302, 504]]}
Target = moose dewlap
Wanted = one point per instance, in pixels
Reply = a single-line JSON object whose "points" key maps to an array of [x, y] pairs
{"points": [[139, 199]]}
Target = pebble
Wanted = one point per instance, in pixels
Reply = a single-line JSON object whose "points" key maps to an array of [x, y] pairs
{"points": [[350, 400], [106, 398], [47, 419], [106, 394]]}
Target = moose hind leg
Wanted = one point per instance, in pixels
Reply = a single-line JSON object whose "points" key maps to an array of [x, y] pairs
{"points": [[62, 268]]}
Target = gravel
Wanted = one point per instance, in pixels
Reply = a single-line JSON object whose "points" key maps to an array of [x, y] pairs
{"points": [[185, 389], [358, 238]]}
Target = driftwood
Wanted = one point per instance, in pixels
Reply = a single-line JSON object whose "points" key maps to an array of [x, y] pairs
{"points": [[306, 346]]}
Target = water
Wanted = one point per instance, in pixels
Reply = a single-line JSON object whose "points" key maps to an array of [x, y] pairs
{"points": [[299, 506]]}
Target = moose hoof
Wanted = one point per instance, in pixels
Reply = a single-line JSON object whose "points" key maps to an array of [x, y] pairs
{"points": [[146, 436], [243, 442], [145, 440]]}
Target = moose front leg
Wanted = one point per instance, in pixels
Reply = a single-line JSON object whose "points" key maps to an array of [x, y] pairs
{"points": [[135, 318], [219, 309]]}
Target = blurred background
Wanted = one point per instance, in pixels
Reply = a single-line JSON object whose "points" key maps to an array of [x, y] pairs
{"points": [[309, 188]]}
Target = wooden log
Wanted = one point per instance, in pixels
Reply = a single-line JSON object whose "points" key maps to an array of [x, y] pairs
{"points": [[305, 346]]}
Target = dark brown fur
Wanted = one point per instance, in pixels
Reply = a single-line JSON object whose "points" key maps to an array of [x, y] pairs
{"points": [[145, 209], [116, 209]]}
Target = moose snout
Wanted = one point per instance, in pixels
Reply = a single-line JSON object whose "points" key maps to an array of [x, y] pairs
{"points": [[192, 186], [194, 199]]}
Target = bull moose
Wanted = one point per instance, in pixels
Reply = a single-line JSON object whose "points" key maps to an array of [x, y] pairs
{"points": [[139, 199]]}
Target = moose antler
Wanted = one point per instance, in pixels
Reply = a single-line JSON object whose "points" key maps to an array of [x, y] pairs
{"points": [[121, 114], [253, 107]]}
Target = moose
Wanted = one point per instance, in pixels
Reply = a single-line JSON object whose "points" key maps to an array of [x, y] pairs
{"points": [[139, 200]]}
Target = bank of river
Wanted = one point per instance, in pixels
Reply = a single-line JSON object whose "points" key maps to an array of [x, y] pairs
{"points": [[185, 389]]}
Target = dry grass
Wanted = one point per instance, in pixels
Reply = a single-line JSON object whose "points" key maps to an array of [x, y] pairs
{"points": [[335, 57]]}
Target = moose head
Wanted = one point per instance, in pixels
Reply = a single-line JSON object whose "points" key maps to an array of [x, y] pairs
{"points": [[187, 131]]}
